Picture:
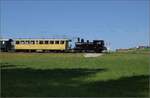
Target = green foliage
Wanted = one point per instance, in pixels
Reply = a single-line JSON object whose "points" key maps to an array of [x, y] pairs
{"points": [[43, 75]]}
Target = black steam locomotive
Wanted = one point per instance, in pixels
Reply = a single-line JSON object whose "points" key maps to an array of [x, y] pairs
{"points": [[95, 46]]}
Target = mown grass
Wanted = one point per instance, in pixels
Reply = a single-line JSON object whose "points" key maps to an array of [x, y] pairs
{"points": [[43, 75]]}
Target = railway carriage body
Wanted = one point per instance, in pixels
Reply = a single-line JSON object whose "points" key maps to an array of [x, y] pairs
{"points": [[41, 44]]}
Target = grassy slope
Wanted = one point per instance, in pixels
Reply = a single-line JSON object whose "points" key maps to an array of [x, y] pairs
{"points": [[117, 74]]}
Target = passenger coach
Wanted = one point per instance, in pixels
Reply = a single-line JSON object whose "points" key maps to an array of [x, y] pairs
{"points": [[41, 45]]}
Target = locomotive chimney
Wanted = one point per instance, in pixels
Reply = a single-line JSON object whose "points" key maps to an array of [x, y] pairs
{"points": [[87, 41], [78, 39], [82, 40]]}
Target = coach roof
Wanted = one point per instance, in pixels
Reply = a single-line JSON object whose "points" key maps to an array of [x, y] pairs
{"points": [[41, 39]]}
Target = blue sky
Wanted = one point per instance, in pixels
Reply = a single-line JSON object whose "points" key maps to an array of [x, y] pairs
{"points": [[122, 23]]}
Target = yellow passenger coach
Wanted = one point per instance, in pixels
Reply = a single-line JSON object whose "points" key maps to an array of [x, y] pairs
{"points": [[41, 45]]}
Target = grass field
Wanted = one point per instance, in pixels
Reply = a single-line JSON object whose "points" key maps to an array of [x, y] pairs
{"points": [[43, 75]]}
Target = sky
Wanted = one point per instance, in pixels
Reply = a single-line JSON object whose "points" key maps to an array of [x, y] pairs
{"points": [[121, 23]]}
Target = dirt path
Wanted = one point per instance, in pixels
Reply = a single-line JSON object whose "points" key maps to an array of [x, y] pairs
{"points": [[92, 54]]}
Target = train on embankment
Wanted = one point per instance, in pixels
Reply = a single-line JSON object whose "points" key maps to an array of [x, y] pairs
{"points": [[55, 45]]}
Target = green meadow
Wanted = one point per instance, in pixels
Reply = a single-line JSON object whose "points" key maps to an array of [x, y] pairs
{"points": [[73, 75]]}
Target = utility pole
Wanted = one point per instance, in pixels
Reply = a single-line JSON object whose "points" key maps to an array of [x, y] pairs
{"points": [[108, 46], [149, 38]]}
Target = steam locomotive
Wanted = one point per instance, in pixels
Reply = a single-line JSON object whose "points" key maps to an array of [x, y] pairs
{"points": [[95, 46], [51, 45]]}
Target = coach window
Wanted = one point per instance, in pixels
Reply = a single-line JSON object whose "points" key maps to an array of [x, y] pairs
{"points": [[22, 42], [61, 42], [41, 42], [17, 42], [32, 42], [27, 42], [37, 42], [46, 42], [56, 42], [51, 42]]}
